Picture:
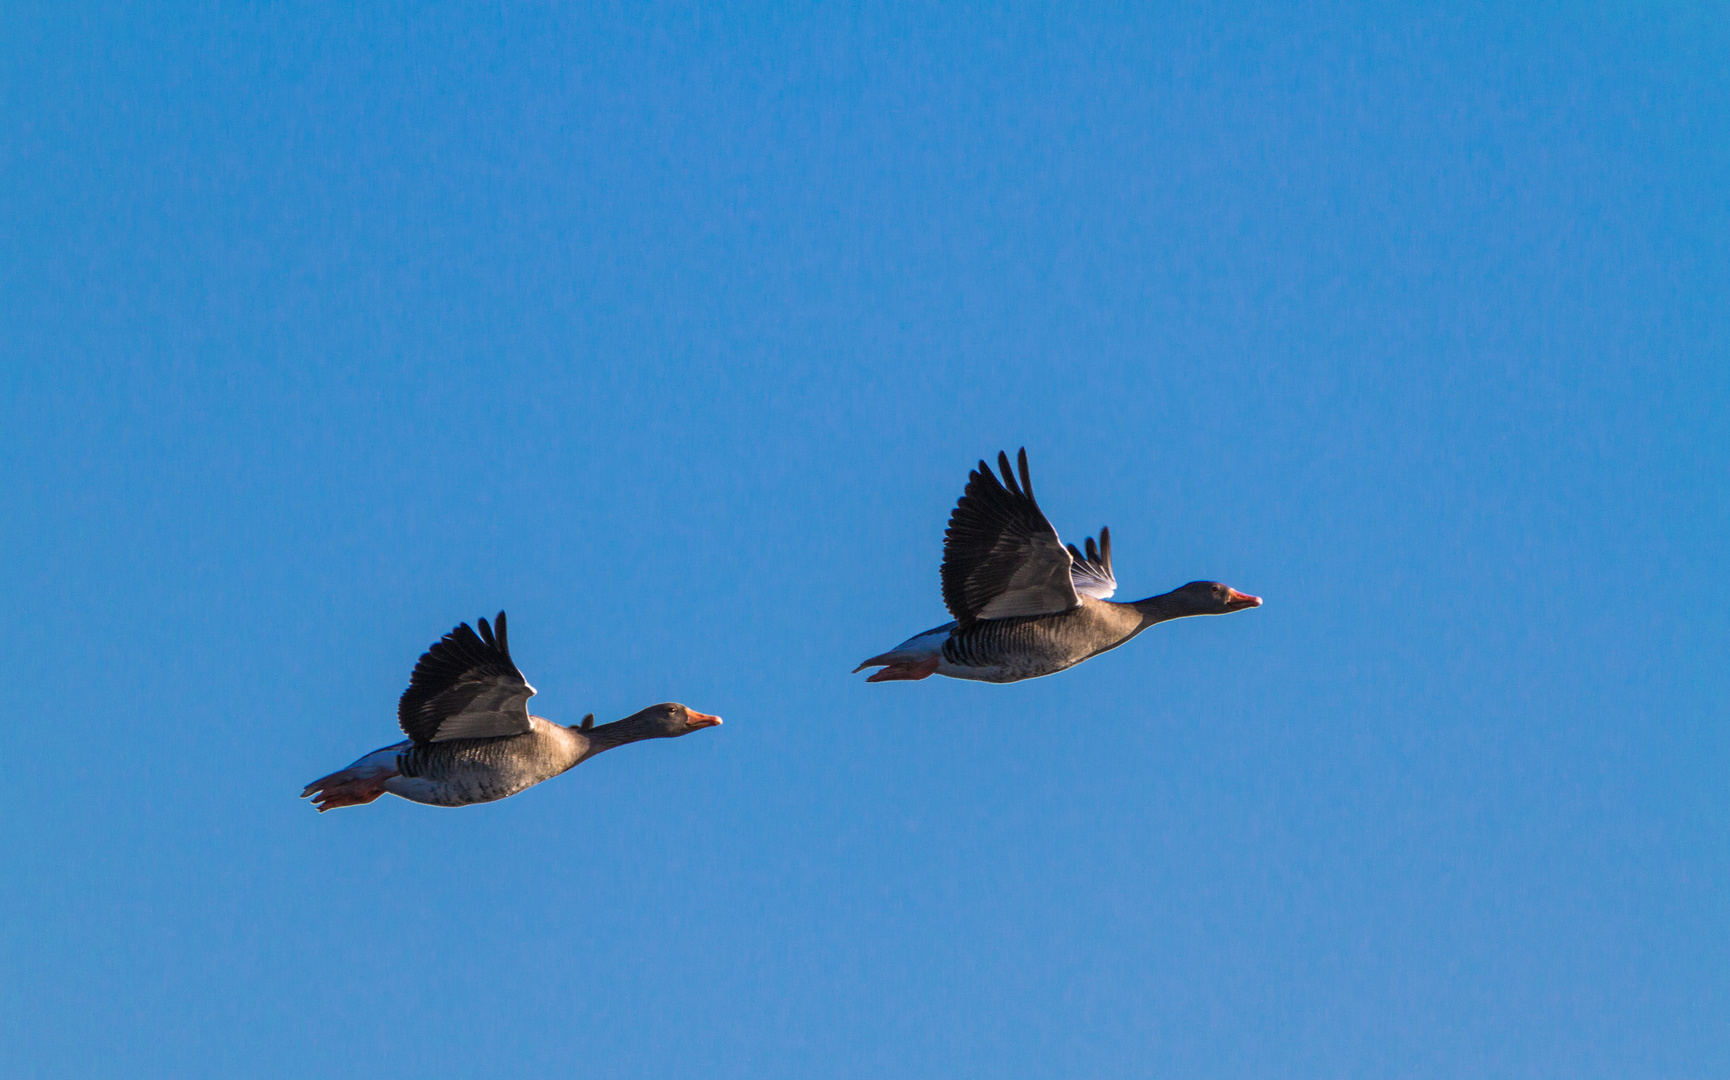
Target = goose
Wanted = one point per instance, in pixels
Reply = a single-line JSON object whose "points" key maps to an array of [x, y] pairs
{"points": [[1024, 604], [471, 738]]}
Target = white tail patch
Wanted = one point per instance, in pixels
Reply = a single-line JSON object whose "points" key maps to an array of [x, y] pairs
{"points": [[914, 651]]}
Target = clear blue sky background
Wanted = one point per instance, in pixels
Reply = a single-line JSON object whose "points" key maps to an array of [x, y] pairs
{"points": [[674, 333]]}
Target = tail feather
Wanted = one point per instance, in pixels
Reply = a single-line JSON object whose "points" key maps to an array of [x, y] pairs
{"points": [[910, 655], [919, 653], [879, 660]]}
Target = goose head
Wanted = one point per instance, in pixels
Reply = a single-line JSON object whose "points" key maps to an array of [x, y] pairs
{"points": [[669, 720], [1213, 598]]}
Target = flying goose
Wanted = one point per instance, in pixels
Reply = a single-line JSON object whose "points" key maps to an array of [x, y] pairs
{"points": [[471, 738], [1024, 604]]}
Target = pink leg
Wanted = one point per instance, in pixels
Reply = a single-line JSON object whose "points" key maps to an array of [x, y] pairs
{"points": [[908, 670], [350, 787]]}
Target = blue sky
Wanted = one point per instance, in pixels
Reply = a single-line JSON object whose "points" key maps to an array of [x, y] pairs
{"points": [[674, 332]]}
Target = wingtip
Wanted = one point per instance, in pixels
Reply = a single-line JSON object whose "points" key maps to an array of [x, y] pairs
{"points": [[1008, 474], [492, 635], [461, 635]]}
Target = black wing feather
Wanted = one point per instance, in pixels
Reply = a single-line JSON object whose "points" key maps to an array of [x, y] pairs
{"points": [[465, 686], [1001, 557]]}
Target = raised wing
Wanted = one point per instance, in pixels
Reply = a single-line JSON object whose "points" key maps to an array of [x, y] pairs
{"points": [[1091, 573], [1001, 558], [466, 687]]}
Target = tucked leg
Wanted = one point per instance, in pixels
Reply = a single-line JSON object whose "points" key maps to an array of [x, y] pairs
{"points": [[907, 670]]}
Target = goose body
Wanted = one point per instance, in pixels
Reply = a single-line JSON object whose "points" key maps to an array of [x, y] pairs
{"points": [[471, 737], [1025, 605], [1023, 647]]}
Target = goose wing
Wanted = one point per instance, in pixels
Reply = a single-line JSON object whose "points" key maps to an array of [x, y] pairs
{"points": [[1091, 573], [1001, 558], [466, 687]]}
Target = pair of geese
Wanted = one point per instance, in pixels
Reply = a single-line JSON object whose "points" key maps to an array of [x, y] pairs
{"points": [[1024, 605]]}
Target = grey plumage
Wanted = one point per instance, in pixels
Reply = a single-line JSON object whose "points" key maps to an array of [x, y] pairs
{"points": [[471, 738], [1009, 650], [1024, 603]]}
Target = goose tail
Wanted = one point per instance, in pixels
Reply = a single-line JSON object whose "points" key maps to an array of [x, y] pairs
{"points": [[915, 658], [356, 785]]}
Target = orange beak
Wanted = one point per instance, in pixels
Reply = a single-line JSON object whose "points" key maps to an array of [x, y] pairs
{"points": [[703, 719], [1237, 601]]}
